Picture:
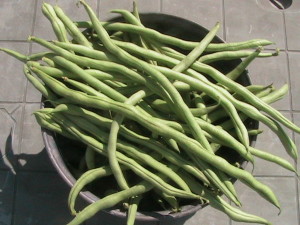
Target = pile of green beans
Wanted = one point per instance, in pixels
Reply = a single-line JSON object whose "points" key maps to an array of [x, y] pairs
{"points": [[158, 122]]}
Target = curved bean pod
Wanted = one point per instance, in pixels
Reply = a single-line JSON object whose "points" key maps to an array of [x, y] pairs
{"points": [[248, 96], [182, 109], [71, 27], [237, 71], [100, 121], [183, 140], [128, 149], [187, 45], [110, 201], [57, 25], [230, 55], [218, 203], [83, 180]]}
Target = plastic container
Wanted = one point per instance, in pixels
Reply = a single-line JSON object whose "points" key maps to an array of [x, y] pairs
{"points": [[57, 147]]}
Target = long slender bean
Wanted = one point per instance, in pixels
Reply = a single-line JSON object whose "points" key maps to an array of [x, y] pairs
{"points": [[143, 66], [207, 87], [58, 27], [71, 27], [237, 71], [188, 143], [218, 203], [134, 137], [189, 59], [48, 94], [187, 45], [248, 96], [230, 55], [110, 201]]}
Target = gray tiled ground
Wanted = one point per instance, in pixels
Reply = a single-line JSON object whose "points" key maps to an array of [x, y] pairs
{"points": [[32, 193]]}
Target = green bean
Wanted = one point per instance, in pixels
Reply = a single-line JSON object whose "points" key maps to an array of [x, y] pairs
{"points": [[260, 91], [102, 65], [173, 144], [272, 158], [215, 146], [126, 161], [57, 25], [270, 98], [254, 132], [226, 138], [83, 24], [258, 88], [48, 61], [97, 64], [199, 103], [134, 19], [260, 154], [134, 137], [88, 177], [128, 149], [95, 54], [105, 66], [219, 180], [268, 89], [163, 106], [264, 92], [90, 158], [207, 87], [132, 210], [135, 11], [59, 72], [48, 94], [230, 55], [110, 201], [189, 59], [114, 84], [71, 27], [112, 140], [129, 90], [276, 95], [97, 84], [114, 49], [171, 200], [141, 65], [247, 109], [184, 141], [218, 203], [55, 72], [25, 58], [248, 96], [15, 54], [84, 179], [46, 122], [271, 123], [170, 156], [237, 71], [82, 87], [230, 109], [187, 45], [251, 132]]}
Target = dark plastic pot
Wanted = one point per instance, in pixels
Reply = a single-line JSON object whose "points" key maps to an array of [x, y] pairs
{"points": [[59, 148]]}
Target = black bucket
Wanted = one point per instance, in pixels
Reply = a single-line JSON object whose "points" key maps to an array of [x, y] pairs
{"points": [[60, 148]]}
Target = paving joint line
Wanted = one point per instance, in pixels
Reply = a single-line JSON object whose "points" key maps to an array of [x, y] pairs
{"points": [[274, 176], [224, 20]]}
